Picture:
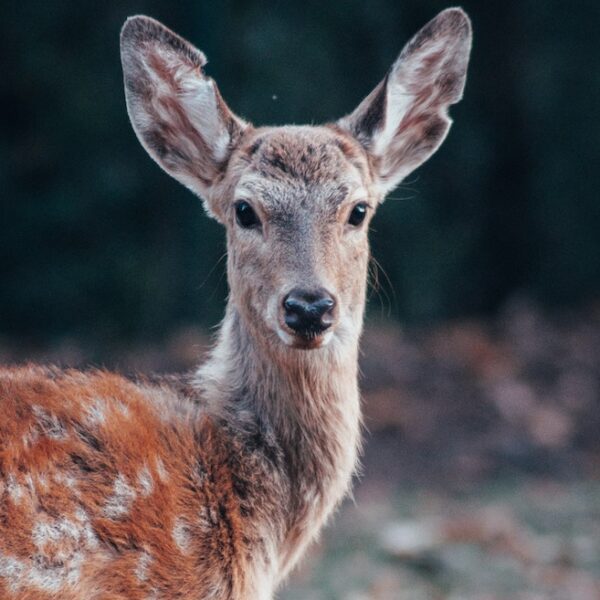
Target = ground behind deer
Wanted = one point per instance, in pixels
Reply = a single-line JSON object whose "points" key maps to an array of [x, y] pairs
{"points": [[480, 476]]}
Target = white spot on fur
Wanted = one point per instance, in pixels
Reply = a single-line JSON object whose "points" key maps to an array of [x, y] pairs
{"points": [[181, 535], [12, 570], [49, 424], [52, 532], [204, 520], [31, 437], [30, 484], [59, 555], [119, 503], [50, 578], [89, 536], [96, 413], [122, 408], [15, 491], [141, 569], [145, 481], [160, 469], [66, 480]]}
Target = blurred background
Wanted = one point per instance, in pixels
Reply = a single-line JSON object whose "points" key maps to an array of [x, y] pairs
{"points": [[481, 357]]}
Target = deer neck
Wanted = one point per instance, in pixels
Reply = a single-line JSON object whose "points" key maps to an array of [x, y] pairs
{"points": [[308, 401]]}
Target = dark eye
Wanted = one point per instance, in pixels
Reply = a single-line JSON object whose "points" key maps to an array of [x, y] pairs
{"points": [[358, 214], [245, 215]]}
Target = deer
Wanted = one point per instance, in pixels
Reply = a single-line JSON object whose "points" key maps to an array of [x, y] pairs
{"points": [[212, 485]]}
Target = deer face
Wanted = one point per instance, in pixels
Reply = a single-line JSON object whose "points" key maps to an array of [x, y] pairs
{"points": [[296, 201], [297, 214]]}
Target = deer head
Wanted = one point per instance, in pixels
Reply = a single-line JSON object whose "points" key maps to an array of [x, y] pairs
{"points": [[297, 200]]}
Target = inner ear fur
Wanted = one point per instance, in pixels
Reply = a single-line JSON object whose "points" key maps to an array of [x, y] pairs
{"points": [[404, 120], [177, 112]]}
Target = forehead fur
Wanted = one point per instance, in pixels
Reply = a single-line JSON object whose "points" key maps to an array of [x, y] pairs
{"points": [[305, 155]]}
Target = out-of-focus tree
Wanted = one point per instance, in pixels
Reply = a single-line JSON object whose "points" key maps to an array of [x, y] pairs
{"points": [[96, 240]]}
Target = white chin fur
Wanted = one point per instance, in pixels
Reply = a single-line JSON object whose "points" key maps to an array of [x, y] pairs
{"points": [[327, 338], [285, 337], [290, 340]]}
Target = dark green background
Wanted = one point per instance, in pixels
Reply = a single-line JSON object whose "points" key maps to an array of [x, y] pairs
{"points": [[97, 241]]}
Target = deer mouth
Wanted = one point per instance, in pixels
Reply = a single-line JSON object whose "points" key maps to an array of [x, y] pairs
{"points": [[305, 340], [306, 317]]}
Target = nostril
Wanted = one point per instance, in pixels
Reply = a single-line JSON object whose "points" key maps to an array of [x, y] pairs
{"points": [[292, 304], [308, 312], [324, 305]]}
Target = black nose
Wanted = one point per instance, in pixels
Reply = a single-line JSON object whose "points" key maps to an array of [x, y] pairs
{"points": [[308, 313]]}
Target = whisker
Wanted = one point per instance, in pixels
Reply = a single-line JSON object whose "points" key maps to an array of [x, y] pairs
{"points": [[402, 198], [219, 260], [376, 285]]}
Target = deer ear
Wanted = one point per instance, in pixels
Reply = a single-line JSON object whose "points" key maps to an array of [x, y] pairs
{"points": [[176, 111], [403, 121]]}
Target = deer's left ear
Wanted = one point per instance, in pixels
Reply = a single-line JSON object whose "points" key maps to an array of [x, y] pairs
{"points": [[176, 111], [403, 121]]}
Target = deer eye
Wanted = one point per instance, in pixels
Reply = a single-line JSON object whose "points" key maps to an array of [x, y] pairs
{"points": [[358, 214], [245, 215]]}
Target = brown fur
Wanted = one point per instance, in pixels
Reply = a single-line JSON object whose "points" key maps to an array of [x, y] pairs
{"points": [[212, 486]]}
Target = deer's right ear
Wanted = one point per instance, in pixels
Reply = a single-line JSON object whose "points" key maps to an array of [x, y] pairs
{"points": [[403, 121], [176, 111]]}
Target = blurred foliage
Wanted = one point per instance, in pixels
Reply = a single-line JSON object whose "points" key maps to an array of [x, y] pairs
{"points": [[97, 240], [522, 539]]}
